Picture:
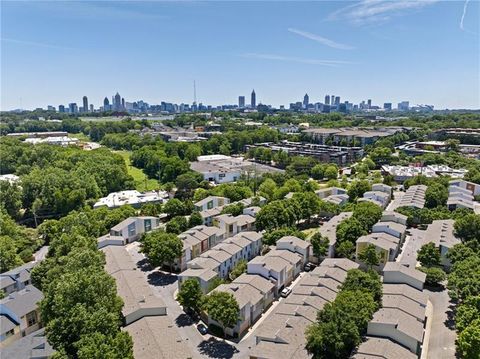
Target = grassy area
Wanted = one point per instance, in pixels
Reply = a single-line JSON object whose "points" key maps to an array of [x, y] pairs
{"points": [[81, 136], [310, 232], [142, 183]]}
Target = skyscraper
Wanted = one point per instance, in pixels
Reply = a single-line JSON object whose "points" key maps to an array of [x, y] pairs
{"points": [[253, 100], [305, 101], [91, 107], [387, 106], [327, 99], [61, 108], [117, 102], [241, 101], [337, 100], [369, 103], [73, 107], [85, 104], [123, 103]]}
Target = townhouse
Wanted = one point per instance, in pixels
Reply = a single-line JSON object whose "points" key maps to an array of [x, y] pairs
{"points": [[474, 188], [414, 197], [19, 314], [129, 230], [394, 272], [220, 260], [395, 229], [211, 202], [402, 317], [231, 225], [254, 294], [379, 198], [329, 230], [282, 333], [442, 233], [17, 278], [460, 197], [386, 245], [335, 195], [296, 245]]}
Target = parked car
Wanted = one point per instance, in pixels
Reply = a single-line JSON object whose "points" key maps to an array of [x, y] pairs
{"points": [[309, 266], [285, 292], [202, 329]]}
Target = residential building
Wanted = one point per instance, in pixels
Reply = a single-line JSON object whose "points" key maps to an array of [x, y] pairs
{"points": [[274, 268], [196, 241], [474, 188], [460, 196], [253, 294], [138, 298], [211, 202], [393, 228], [396, 273], [129, 231], [414, 197], [132, 198], [282, 333], [17, 278], [222, 258], [224, 169], [231, 225], [385, 348], [329, 230], [442, 233], [379, 198], [32, 346], [386, 245], [19, 314], [296, 245], [350, 135], [391, 216]]}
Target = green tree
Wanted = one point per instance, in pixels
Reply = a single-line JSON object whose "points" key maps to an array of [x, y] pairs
{"points": [[436, 195], [195, 220], [345, 250], [161, 247], [320, 245], [464, 278], [369, 282], [223, 308], [267, 189], [239, 269], [358, 188], [190, 295], [8, 254], [429, 255], [186, 183], [98, 346], [175, 207], [467, 312], [235, 209], [349, 230], [467, 227], [309, 204], [435, 275], [369, 256], [318, 172], [177, 225], [274, 215], [11, 198], [271, 237], [331, 172], [367, 213], [468, 341]]}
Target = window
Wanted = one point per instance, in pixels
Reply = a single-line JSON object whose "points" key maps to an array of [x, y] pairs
{"points": [[210, 205], [221, 175], [9, 333], [31, 318], [148, 225], [131, 230]]}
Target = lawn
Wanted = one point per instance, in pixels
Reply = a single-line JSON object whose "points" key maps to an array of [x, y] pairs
{"points": [[142, 183], [310, 232]]}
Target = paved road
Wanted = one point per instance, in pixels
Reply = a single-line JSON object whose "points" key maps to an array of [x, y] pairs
{"points": [[412, 244], [41, 254], [395, 203], [443, 335]]}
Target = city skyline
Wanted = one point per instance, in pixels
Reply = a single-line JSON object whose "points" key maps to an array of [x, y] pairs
{"points": [[425, 52]]}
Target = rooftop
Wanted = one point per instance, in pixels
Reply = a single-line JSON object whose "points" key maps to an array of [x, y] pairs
{"points": [[382, 348]]}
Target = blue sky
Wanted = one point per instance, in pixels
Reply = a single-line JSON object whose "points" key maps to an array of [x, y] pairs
{"points": [[423, 51]]}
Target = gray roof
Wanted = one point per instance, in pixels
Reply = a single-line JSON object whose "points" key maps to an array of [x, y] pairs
{"points": [[157, 338], [208, 199], [257, 281], [32, 346], [398, 227], [442, 233], [382, 348], [329, 229], [409, 272], [402, 322], [406, 291], [24, 301], [294, 241], [123, 224]]}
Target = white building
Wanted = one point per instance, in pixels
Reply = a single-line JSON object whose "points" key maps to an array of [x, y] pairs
{"points": [[132, 198]]}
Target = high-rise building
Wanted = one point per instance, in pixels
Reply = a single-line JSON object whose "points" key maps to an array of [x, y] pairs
{"points": [[241, 101], [369, 103], [253, 100], [404, 106], [305, 101], [85, 104], [72, 107], [337, 100], [50, 108], [123, 103], [327, 99], [61, 108], [91, 107], [387, 106], [117, 102], [106, 103]]}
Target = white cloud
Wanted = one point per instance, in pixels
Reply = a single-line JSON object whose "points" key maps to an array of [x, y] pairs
{"points": [[332, 63], [320, 39], [375, 11]]}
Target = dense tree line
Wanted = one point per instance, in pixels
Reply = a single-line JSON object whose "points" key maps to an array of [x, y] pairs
{"points": [[56, 180], [81, 310]]}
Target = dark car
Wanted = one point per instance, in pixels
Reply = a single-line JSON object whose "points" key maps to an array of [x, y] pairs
{"points": [[202, 329]]}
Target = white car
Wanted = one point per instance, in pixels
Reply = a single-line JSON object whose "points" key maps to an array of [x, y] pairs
{"points": [[285, 292]]}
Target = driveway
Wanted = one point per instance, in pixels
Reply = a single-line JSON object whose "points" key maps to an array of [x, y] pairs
{"points": [[412, 244], [442, 335]]}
